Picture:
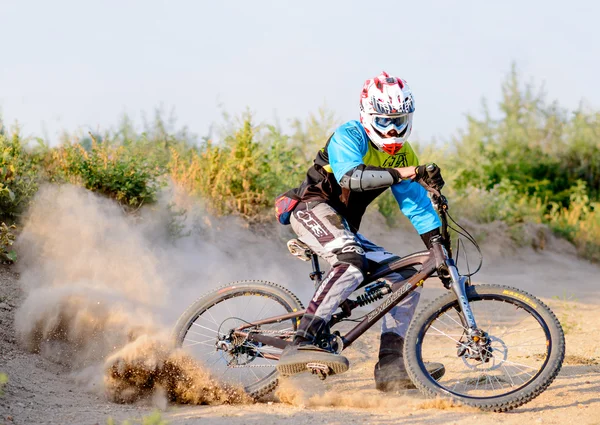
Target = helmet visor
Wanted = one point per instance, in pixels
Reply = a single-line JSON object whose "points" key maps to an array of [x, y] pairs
{"points": [[386, 123]]}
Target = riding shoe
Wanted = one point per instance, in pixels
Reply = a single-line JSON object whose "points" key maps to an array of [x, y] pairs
{"points": [[390, 372], [303, 351], [296, 358]]}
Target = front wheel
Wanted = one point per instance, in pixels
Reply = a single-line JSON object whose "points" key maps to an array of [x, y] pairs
{"points": [[517, 355]]}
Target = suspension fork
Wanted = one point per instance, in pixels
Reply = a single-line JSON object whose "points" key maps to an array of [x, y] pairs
{"points": [[458, 286], [446, 268]]}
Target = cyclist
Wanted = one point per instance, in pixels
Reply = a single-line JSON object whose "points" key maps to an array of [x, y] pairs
{"points": [[358, 163]]}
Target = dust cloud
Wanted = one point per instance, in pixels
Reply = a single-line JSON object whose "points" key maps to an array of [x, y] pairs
{"points": [[104, 289], [152, 367], [294, 392]]}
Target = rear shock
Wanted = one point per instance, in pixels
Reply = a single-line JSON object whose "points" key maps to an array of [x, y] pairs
{"points": [[373, 292]]}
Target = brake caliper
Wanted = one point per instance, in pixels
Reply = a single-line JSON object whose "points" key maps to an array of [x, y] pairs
{"points": [[477, 347]]}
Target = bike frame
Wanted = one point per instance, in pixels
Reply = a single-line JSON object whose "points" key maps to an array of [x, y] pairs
{"points": [[437, 259]]}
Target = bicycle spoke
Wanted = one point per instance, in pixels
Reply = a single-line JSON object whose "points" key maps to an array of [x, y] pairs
{"points": [[211, 316], [455, 321], [511, 337], [200, 334], [446, 335], [208, 320], [266, 313], [509, 375], [200, 342], [204, 327], [262, 308], [217, 323]]}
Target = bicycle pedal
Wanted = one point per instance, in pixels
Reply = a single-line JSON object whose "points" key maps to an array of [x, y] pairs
{"points": [[319, 369]]}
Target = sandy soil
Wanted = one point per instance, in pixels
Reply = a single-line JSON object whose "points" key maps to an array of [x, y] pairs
{"points": [[43, 389], [43, 392]]}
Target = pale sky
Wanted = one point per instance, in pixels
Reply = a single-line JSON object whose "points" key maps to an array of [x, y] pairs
{"points": [[80, 64]]}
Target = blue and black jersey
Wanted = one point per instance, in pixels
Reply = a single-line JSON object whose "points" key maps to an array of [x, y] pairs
{"points": [[347, 148]]}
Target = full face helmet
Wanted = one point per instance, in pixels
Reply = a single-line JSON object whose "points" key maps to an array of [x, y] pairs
{"points": [[386, 112]]}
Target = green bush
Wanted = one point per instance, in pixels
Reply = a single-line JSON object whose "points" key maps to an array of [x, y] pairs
{"points": [[243, 174], [155, 418], [19, 176], [579, 223], [535, 162], [531, 161], [7, 237], [540, 149], [3, 381], [112, 170]]}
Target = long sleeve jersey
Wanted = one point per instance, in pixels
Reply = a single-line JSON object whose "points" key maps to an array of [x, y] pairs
{"points": [[347, 148]]}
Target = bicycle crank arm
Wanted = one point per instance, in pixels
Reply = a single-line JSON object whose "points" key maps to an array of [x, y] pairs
{"points": [[458, 286]]}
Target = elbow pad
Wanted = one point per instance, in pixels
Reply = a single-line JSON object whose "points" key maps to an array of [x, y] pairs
{"points": [[363, 178]]}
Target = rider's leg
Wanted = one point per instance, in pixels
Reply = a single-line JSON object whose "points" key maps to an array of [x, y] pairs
{"points": [[390, 372], [399, 317], [327, 234]]}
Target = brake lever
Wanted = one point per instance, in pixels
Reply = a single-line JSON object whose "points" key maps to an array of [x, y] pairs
{"points": [[437, 197], [439, 201]]}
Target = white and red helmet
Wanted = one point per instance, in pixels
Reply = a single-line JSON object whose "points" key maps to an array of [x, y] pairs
{"points": [[386, 112]]}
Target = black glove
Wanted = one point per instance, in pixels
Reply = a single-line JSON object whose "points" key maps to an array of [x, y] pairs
{"points": [[430, 175]]}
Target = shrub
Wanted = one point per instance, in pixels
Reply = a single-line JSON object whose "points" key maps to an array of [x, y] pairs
{"points": [[3, 381], [155, 418], [243, 174], [579, 223], [535, 162], [538, 147], [7, 237], [114, 171], [19, 176]]}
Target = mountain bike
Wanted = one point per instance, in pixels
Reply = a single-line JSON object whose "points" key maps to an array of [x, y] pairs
{"points": [[501, 346]]}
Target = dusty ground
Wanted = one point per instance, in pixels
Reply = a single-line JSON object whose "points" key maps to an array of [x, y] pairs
{"points": [[81, 245], [44, 392]]}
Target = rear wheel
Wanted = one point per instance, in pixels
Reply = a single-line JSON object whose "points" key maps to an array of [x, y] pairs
{"points": [[517, 355], [204, 330]]}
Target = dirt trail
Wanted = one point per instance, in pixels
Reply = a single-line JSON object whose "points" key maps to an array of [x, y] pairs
{"points": [[46, 389]]}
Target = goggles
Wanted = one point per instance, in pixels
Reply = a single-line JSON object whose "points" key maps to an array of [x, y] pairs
{"points": [[385, 123]]}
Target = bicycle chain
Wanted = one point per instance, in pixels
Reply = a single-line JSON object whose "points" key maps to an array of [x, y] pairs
{"points": [[250, 365], [271, 331]]}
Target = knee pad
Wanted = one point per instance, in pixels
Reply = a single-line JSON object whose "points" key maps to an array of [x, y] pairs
{"points": [[354, 255]]}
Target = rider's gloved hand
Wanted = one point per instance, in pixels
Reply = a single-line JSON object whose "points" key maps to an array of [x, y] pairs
{"points": [[430, 175]]}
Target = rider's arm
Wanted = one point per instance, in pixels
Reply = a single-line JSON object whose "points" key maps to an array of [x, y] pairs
{"points": [[414, 202], [346, 150], [416, 205]]}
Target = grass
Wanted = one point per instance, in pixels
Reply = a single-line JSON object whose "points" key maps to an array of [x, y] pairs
{"points": [[155, 418], [7, 238], [566, 310], [3, 381]]}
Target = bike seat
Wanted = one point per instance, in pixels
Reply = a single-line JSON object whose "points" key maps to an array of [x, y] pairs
{"points": [[299, 249]]}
